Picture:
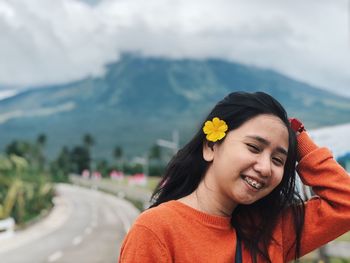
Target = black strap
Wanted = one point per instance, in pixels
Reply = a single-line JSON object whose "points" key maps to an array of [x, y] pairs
{"points": [[238, 258]]}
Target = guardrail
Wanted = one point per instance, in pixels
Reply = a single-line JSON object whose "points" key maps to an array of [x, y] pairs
{"points": [[7, 228]]}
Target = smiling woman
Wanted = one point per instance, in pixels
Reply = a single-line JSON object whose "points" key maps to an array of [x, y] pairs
{"points": [[259, 150], [229, 195]]}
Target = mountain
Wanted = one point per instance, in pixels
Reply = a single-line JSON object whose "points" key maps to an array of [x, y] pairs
{"points": [[139, 100]]}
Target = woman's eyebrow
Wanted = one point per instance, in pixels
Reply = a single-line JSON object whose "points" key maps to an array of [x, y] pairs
{"points": [[267, 143]]}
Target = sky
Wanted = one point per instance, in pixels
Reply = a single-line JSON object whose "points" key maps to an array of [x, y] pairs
{"points": [[45, 42]]}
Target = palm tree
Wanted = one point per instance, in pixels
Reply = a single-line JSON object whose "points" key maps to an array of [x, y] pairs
{"points": [[40, 142], [118, 152], [80, 159], [88, 141], [41, 139], [118, 155]]}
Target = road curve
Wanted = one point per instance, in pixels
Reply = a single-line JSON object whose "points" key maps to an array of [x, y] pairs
{"points": [[85, 226]]}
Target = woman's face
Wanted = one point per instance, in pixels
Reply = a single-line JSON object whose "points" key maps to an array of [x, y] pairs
{"points": [[249, 163]]}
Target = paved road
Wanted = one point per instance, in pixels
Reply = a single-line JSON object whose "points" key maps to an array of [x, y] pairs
{"points": [[85, 226], [134, 193]]}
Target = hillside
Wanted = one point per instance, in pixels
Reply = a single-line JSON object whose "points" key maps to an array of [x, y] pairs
{"points": [[141, 99]]}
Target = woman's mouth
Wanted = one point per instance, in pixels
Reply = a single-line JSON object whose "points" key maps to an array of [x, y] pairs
{"points": [[253, 183]]}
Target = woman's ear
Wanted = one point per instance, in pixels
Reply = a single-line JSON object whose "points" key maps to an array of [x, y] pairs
{"points": [[208, 151]]}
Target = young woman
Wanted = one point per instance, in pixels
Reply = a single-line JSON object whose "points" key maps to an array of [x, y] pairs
{"points": [[229, 195]]}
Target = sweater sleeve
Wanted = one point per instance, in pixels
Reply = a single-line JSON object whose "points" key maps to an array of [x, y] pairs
{"points": [[142, 245], [327, 214]]}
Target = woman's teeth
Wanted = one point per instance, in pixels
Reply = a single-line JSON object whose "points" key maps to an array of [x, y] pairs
{"points": [[253, 183]]}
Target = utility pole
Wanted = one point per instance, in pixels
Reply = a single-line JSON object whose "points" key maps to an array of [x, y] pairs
{"points": [[173, 145]]}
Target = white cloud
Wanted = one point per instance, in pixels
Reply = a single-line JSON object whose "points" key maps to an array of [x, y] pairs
{"points": [[6, 116], [58, 41]]}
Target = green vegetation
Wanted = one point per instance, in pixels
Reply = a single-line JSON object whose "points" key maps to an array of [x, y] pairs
{"points": [[330, 260], [152, 182], [345, 237], [79, 158], [26, 190]]}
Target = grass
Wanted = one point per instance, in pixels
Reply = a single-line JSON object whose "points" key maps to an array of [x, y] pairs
{"points": [[331, 260], [345, 237], [151, 184]]}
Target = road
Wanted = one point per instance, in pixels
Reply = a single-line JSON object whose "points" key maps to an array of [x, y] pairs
{"points": [[134, 193], [85, 226]]}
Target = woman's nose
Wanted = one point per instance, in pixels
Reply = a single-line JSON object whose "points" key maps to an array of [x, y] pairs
{"points": [[263, 165]]}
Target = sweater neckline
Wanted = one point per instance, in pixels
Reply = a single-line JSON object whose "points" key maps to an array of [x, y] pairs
{"points": [[219, 222]]}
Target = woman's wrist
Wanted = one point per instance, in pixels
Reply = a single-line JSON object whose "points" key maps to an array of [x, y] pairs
{"points": [[297, 126], [305, 144]]}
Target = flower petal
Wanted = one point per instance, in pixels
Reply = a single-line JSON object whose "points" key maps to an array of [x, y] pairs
{"points": [[223, 128], [216, 121], [211, 137], [208, 128], [221, 135]]}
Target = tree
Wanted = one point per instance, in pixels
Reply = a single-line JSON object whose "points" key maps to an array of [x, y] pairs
{"points": [[118, 155], [40, 142], [80, 158], [155, 152], [156, 167], [118, 152], [102, 167], [88, 141], [62, 166], [19, 148], [32, 152], [41, 139]]}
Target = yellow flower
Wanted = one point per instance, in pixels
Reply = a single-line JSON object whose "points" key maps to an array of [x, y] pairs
{"points": [[215, 129]]}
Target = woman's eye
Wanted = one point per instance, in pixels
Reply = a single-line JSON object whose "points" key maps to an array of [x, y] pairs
{"points": [[253, 148], [278, 161]]}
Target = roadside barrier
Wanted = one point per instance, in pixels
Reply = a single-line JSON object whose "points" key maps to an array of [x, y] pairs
{"points": [[7, 227]]}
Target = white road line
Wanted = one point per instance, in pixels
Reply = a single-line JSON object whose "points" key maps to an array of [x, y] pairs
{"points": [[55, 256], [109, 217], [77, 240], [126, 222]]}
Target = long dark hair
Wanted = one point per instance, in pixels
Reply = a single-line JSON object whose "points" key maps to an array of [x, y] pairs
{"points": [[253, 223]]}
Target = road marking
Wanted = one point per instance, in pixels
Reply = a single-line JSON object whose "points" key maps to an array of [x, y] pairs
{"points": [[126, 222], [109, 217], [77, 240], [55, 256]]}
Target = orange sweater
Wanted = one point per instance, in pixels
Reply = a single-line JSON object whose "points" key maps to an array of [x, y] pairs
{"points": [[174, 232]]}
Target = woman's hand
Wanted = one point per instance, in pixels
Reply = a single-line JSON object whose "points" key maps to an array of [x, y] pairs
{"points": [[296, 125]]}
